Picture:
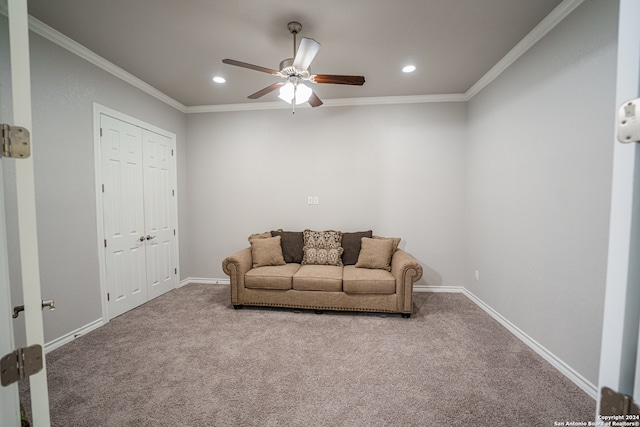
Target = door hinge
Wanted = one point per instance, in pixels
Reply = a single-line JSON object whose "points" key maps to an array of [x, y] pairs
{"points": [[108, 296], [175, 270], [105, 243], [103, 188], [629, 121], [16, 142], [173, 192], [100, 132], [614, 403], [174, 231], [172, 151], [20, 364]]}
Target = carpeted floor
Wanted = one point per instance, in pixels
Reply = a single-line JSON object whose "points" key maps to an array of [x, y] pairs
{"points": [[188, 359]]}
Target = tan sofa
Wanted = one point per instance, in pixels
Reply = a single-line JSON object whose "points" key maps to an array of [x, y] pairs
{"points": [[360, 280]]}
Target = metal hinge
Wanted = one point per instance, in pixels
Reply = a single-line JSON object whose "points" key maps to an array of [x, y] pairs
{"points": [[108, 296], [629, 121], [175, 270], [16, 142], [614, 403], [20, 364]]}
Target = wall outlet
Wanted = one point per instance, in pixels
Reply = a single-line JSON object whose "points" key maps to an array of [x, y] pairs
{"points": [[316, 200], [476, 275], [310, 200]]}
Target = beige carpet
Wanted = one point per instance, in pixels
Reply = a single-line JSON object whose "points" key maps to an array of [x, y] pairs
{"points": [[188, 359]]}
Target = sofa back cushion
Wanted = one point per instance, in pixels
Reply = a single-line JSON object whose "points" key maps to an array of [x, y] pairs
{"points": [[351, 243], [292, 243]]}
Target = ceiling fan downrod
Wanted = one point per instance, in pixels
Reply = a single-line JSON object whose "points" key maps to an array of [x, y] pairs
{"points": [[294, 28]]}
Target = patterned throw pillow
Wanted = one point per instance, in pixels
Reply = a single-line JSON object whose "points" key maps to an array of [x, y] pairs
{"points": [[322, 248]]}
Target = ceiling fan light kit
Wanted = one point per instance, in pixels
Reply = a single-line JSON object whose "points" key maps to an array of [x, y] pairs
{"points": [[296, 71]]}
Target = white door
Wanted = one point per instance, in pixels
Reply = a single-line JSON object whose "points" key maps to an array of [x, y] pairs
{"points": [[123, 201], [27, 229], [138, 203], [619, 355], [158, 207]]}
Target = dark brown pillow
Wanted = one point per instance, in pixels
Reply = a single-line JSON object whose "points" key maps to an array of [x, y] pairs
{"points": [[351, 242], [292, 243]]}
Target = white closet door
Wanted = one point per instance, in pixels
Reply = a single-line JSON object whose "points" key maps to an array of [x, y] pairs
{"points": [[123, 202], [158, 206]]}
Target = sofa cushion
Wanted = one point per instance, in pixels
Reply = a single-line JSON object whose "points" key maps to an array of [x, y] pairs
{"points": [[326, 278], [292, 243], [322, 248], [266, 251], [375, 253], [367, 281], [351, 243], [271, 277]]}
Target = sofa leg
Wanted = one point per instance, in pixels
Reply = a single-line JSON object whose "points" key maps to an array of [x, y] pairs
{"points": [[237, 307], [406, 315], [318, 311]]}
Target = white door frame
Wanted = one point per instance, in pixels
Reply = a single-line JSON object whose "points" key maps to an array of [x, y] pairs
{"points": [[9, 400], [98, 110], [26, 203], [619, 351]]}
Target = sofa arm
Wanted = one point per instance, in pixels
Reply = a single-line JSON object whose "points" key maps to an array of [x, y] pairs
{"points": [[236, 266], [406, 271]]}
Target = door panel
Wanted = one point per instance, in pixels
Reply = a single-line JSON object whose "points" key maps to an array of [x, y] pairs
{"points": [[123, 205], [159, 199]]}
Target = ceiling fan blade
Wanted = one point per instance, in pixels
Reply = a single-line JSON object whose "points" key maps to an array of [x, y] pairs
{"points": [[338, 80], [250, 66], [306, 52], [266, 90], [314, 101]]}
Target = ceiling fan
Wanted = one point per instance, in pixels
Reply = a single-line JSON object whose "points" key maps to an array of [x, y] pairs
{"points": [[295, 71]]}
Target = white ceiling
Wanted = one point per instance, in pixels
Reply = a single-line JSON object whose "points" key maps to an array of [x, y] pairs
{"points": [[178, 46]]}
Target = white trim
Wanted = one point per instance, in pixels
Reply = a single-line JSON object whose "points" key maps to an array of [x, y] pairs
{"points": [[547, 24], [554, 360], [438, 289], [54, 36], [98, 110], [204, 281], [67, 338]]}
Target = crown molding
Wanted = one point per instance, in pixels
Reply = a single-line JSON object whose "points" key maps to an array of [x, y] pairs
{"points": [[42, 29], [539, 31], [342, 102], [545, 26]]}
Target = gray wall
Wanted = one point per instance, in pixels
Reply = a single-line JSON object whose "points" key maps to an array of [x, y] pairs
{"points": [[539, 183], [395, 169], [64, 88]]}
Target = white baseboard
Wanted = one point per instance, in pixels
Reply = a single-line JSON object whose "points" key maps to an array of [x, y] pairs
{"points": [[555, 361], [204, 281], [67, 338], [447, 289]]}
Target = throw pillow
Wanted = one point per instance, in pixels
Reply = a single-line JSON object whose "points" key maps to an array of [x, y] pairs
{"points": [[292, 243], [318, 256], [375, 254], [351, 242], [396, 241], [322, 247], [266, 251], [264, 235]]}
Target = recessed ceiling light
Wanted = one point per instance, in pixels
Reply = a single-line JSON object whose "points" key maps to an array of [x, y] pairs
{"points": [[409, 69], [219, 79]]}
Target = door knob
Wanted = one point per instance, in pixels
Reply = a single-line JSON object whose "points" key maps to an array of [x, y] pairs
{"points": [[150, 237], [141, 238]]}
